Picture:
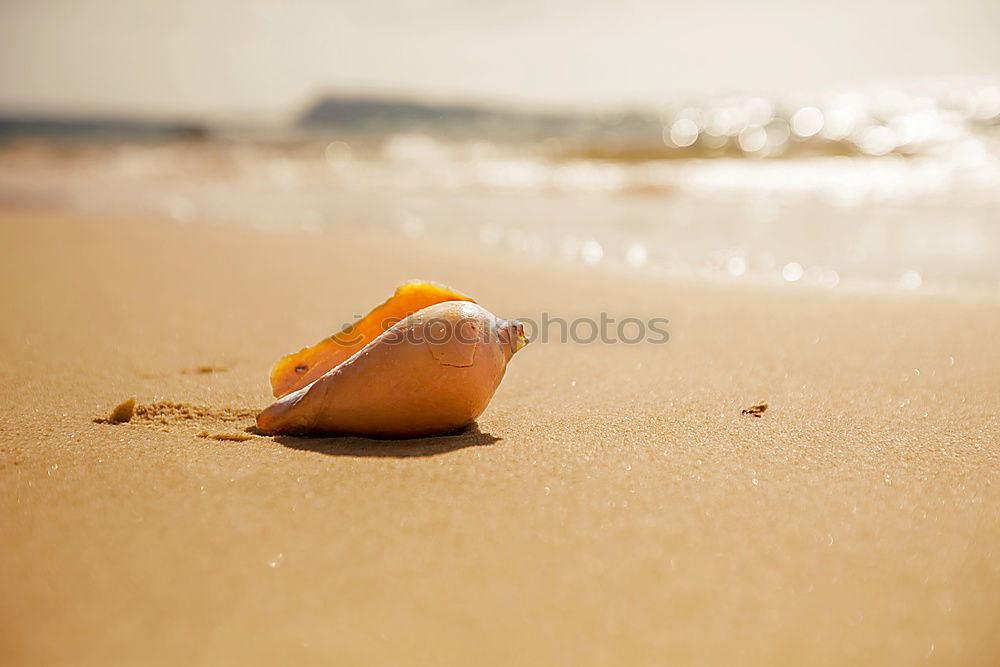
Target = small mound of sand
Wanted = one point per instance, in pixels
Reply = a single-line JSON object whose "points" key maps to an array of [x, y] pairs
{"points": [[234, 437], [170, 412]]}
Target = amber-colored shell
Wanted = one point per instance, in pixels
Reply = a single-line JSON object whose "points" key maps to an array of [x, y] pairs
{"points": [[432, 373], [308, 365]]}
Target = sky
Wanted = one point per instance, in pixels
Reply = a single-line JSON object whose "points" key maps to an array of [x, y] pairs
{"points": [[269, 58]]}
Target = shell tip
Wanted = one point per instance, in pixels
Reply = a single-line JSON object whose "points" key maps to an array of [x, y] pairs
{"points": [[512, 333]]}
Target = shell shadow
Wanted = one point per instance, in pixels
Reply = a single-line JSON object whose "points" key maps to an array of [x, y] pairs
{"points": [[470, 436]]}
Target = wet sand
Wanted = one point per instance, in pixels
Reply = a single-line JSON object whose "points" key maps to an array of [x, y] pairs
{"points": [[613, 506]]}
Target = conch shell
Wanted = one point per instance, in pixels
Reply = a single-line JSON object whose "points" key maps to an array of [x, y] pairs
{"points": [[306, 366], [432, 372]]}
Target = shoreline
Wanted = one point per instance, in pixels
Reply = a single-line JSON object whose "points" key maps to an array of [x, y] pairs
{"points": [[842, 236]]}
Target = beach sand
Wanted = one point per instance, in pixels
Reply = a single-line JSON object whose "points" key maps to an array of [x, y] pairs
{"points": [[613, 507]]}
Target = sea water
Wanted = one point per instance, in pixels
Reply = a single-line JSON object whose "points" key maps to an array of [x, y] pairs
{"points": [[892, 187]]}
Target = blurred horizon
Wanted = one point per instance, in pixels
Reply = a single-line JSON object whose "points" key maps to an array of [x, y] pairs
{"points": [[262, 61]]}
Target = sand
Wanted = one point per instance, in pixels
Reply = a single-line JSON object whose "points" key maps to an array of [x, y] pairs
{"points": [[612, 507]]}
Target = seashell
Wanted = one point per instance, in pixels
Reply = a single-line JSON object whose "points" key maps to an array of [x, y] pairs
{"points": [[431, 373], [308, 365]]}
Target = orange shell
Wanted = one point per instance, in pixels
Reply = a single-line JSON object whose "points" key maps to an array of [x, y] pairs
{"points": [[432, 373], [308, 365]]}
